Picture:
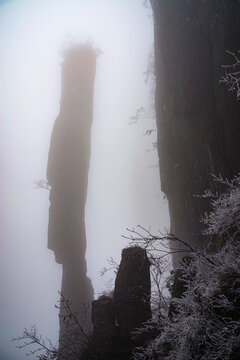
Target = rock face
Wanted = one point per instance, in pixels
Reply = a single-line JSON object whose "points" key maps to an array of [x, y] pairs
{"points": [[67, 174], [103, 315], [105, 342], [198, 121], [132, 290], [115, 318]]}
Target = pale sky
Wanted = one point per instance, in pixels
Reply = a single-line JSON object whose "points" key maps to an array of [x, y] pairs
{"points": [[124, 188]]}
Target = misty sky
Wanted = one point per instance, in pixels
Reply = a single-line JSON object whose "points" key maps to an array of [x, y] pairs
{"points": [[124, 188]]}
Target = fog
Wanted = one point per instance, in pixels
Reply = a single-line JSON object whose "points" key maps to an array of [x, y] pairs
{"points": [[124, 186]]}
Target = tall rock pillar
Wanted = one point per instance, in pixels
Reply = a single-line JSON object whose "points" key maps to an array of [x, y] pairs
{"points": [[67, 174]]}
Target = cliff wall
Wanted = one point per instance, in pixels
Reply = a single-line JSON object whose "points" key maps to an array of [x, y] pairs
{"points": [[198, 121]]}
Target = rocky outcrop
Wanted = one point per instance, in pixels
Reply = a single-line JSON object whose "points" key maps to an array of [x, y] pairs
{"points": [[114, 319], [67, 174], [103, 315], [132, 290], [198, 121], [105, 342]]}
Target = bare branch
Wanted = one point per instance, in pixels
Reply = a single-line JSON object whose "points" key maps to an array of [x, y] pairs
{"points": [[232, 74], [42, 184]]}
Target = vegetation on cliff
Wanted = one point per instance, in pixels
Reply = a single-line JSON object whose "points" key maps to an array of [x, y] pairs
{"points": [[203, 321]]}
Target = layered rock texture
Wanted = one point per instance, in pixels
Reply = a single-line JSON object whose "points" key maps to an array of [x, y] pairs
{"points": [[114, 319], [67, 174], [198, 121]]}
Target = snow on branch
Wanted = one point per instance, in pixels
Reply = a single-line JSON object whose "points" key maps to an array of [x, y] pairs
{"points": [[232, 73], [42, 184], [225, 214]]}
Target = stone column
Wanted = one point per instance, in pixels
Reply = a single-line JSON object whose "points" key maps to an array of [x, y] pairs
{"points": [[67, 174]]}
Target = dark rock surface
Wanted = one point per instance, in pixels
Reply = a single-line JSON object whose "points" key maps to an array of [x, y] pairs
{"points": [[198, 121], [103, 314], [132, 290], [67, 174], [115, 318], [105, 343]]}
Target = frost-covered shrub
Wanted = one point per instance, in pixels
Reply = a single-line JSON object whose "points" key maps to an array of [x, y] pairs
{"points": [[206, 324], [205, 321], [232, 73], [225, 215]]}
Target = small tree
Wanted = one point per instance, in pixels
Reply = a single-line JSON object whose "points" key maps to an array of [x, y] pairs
{"points": [[70, 347]]}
